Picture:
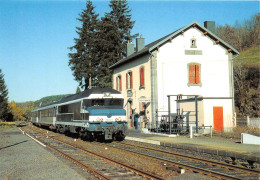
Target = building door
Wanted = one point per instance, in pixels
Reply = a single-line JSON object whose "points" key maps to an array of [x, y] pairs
{"points": [[218, 118]]}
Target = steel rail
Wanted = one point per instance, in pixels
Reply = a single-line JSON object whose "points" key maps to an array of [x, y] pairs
{"points": [[188, 167], [137, 171], [219, 164], [89, 169], [78, 163]]}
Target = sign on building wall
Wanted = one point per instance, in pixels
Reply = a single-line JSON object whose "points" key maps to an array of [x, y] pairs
{"points": [[144, 100]]}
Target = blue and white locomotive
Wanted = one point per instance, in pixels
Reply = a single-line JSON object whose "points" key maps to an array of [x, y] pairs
{"points": [[93, 114]]}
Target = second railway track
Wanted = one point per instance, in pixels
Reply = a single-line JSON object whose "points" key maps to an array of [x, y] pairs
{"points": [[191, 163], [251, 172]]}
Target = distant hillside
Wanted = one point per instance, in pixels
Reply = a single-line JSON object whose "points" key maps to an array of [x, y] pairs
{"points": [[49, 99]]}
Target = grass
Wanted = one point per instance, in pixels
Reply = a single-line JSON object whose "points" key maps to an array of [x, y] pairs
{"points": [[6, 125], [236, 132], [251, 56]]}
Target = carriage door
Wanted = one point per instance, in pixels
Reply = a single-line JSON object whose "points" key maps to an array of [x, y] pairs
{"points": [[218, 118]]}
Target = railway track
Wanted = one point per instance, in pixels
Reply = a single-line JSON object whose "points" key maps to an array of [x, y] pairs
{"points": [[171, 161], [100, 166], [193, 164]]}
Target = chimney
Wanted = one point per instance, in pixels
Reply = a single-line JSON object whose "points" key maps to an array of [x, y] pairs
{"points": [[139, 43], [210, 25], [129, 49]]}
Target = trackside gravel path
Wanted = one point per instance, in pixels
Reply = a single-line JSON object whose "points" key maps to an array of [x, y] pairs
{"points": [[22, 158]]}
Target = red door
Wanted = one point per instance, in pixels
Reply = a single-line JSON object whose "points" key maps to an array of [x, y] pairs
{"points": [[218, 118]]}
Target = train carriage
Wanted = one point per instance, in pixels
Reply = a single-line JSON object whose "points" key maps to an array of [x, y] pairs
{"points": [[93, 114]]}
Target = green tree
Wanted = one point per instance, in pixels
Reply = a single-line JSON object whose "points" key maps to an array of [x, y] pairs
{"points": [[78, 90], [114, 33], [3, 98], [83, 60]]}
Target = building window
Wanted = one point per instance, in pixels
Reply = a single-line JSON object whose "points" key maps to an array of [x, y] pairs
{"points": [[119, 83], [129, 80], [193, 43], [194, 77], [142, 77]]}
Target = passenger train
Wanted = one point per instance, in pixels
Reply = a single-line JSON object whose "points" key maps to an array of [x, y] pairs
{"points": [[93, 114]]}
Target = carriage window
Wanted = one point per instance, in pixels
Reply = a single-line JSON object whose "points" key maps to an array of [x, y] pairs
{"points": [[64, 109]]}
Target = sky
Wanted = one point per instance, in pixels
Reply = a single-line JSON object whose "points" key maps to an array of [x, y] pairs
{"points": [[35, 36]]}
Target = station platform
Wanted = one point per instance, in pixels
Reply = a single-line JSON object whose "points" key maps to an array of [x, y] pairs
{"points": [[23, 158], [203, 144]]}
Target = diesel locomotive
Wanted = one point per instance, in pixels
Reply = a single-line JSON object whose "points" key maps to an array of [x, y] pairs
{"points": [[94, 114]]}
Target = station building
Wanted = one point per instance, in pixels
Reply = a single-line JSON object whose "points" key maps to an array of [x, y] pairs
{"points": [[189, 63]]}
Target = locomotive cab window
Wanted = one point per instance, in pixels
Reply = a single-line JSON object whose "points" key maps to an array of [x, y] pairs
{"points": [[109, 102], [98, 102], [115, 102]]}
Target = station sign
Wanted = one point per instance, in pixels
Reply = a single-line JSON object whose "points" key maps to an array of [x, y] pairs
{"points": [[144, 100]]}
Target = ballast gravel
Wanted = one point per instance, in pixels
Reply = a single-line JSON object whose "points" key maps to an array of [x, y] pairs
{"points": [[23, 158]]}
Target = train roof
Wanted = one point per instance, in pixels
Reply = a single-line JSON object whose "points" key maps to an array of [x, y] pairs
{"points": [[81, 95], [88, 92], [51, 105]]}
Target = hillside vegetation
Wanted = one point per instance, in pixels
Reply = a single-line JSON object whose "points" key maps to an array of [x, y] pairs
{"points": [[246, 82], [23, 111], [245, 38], [49, 99], [251, 56]]}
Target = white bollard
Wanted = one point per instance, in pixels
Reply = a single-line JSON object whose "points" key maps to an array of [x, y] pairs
{"points": [[191, 133], [247, 121], [211, 129]]}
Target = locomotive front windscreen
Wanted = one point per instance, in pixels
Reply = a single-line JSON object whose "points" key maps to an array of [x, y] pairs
{"points": [[108, 102]]}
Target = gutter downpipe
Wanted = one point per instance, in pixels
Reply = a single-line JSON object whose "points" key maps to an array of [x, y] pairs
{"points": [[233, 89], [153, 86]]}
